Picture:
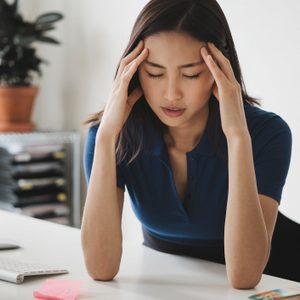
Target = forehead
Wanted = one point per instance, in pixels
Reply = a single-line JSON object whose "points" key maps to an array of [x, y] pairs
{"points": [[173, 44]]}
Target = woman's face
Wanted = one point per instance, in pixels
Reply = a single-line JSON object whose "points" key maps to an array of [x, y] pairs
{"points": [[175, 76]]}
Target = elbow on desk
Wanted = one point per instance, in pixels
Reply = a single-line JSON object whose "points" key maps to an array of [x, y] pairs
{"points": [[102, 275], [243, 281], [102, 270], [102, 267]]}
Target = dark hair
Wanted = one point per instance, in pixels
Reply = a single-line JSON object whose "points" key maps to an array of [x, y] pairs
{"points": [[204, 20]]}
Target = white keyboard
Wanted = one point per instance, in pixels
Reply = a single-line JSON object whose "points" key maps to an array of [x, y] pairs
{"points": [[14, 270]]}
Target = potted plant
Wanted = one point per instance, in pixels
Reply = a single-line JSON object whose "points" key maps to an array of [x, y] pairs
{"points": [[19, 62]]}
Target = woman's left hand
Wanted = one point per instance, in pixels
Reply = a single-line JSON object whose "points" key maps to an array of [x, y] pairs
{"points": [[227, 91]]}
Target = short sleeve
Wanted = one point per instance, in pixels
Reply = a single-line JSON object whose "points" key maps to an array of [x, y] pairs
{"points": [[273, 158], [89, 157]]}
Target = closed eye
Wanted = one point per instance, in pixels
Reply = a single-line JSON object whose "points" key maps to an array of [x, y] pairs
{"points": [[157, 76]]}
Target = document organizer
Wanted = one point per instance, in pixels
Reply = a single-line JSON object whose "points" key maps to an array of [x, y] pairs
{"points": [[40, 175]]}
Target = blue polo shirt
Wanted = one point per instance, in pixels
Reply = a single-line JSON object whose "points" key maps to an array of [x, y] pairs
{"points": [[200, 222]]}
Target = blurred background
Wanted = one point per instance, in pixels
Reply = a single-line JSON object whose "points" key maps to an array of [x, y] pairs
{"points": [[94, 34]]}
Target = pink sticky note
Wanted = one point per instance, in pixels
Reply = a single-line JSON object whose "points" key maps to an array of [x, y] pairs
{"points": [[59, 289]]}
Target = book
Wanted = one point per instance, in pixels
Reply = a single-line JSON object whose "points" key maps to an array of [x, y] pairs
{"points": [[286, 293], [24, 157], [40, 183], [37, 170], [37, 153], [55, 197]]}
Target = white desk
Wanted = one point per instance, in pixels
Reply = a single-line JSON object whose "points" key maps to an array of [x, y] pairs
{"points": [[144, 273]]}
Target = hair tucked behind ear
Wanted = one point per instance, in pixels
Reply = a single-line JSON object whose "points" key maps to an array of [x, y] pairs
{"points": [[205, 21]]}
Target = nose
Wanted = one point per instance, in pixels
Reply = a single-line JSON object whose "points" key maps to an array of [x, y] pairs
{"points": [[172, 91]]}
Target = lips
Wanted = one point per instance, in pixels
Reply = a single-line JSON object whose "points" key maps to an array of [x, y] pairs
{"points": [[173, 111], [174, 108]]}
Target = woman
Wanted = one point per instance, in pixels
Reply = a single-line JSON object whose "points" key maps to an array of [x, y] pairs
{"points": [[204, 166]]}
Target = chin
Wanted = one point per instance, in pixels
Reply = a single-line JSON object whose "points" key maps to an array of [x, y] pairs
{"points": [[171, 123]]}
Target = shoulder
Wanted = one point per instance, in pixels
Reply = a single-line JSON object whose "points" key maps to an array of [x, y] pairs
{"points": [[92, 130], [88, 153], [90, 138], [270, 133], [266, 123]]}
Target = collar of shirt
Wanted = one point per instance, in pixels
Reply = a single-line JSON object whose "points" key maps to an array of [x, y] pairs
{"points": [[155, 145]]}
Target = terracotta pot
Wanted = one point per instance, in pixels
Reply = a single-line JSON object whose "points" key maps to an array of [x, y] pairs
{"points": [[16, 105]]}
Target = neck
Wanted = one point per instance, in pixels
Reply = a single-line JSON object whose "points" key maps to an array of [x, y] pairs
{"points": [[186, 137]]}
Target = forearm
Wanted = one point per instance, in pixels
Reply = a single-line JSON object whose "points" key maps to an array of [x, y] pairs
{"points": [[246, 238], [101, 226]]}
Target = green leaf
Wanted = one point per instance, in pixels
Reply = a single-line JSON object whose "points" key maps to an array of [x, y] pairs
{"points": [[48, 18], [44, 27], [47, 39]]}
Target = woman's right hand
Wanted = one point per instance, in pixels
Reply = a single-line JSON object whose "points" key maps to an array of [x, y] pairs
{"points": [[120, 104]]}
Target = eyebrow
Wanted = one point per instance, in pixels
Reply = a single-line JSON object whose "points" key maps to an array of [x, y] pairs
{"points": [[181, 67]]}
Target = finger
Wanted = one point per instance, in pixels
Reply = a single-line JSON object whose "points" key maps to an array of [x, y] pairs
{"points": [[137, 61], [217, 73], [131, 68], [222, 61], [141, 57], [130, 57]]}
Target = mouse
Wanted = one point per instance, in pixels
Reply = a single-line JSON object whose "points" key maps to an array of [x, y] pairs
{"points": [[7, 244]]}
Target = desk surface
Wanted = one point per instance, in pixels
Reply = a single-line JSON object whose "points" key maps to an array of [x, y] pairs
{"points": [[144, 273]]}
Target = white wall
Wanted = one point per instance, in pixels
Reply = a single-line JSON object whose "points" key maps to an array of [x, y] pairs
{"points": [[95, 33], [266, 34]]}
